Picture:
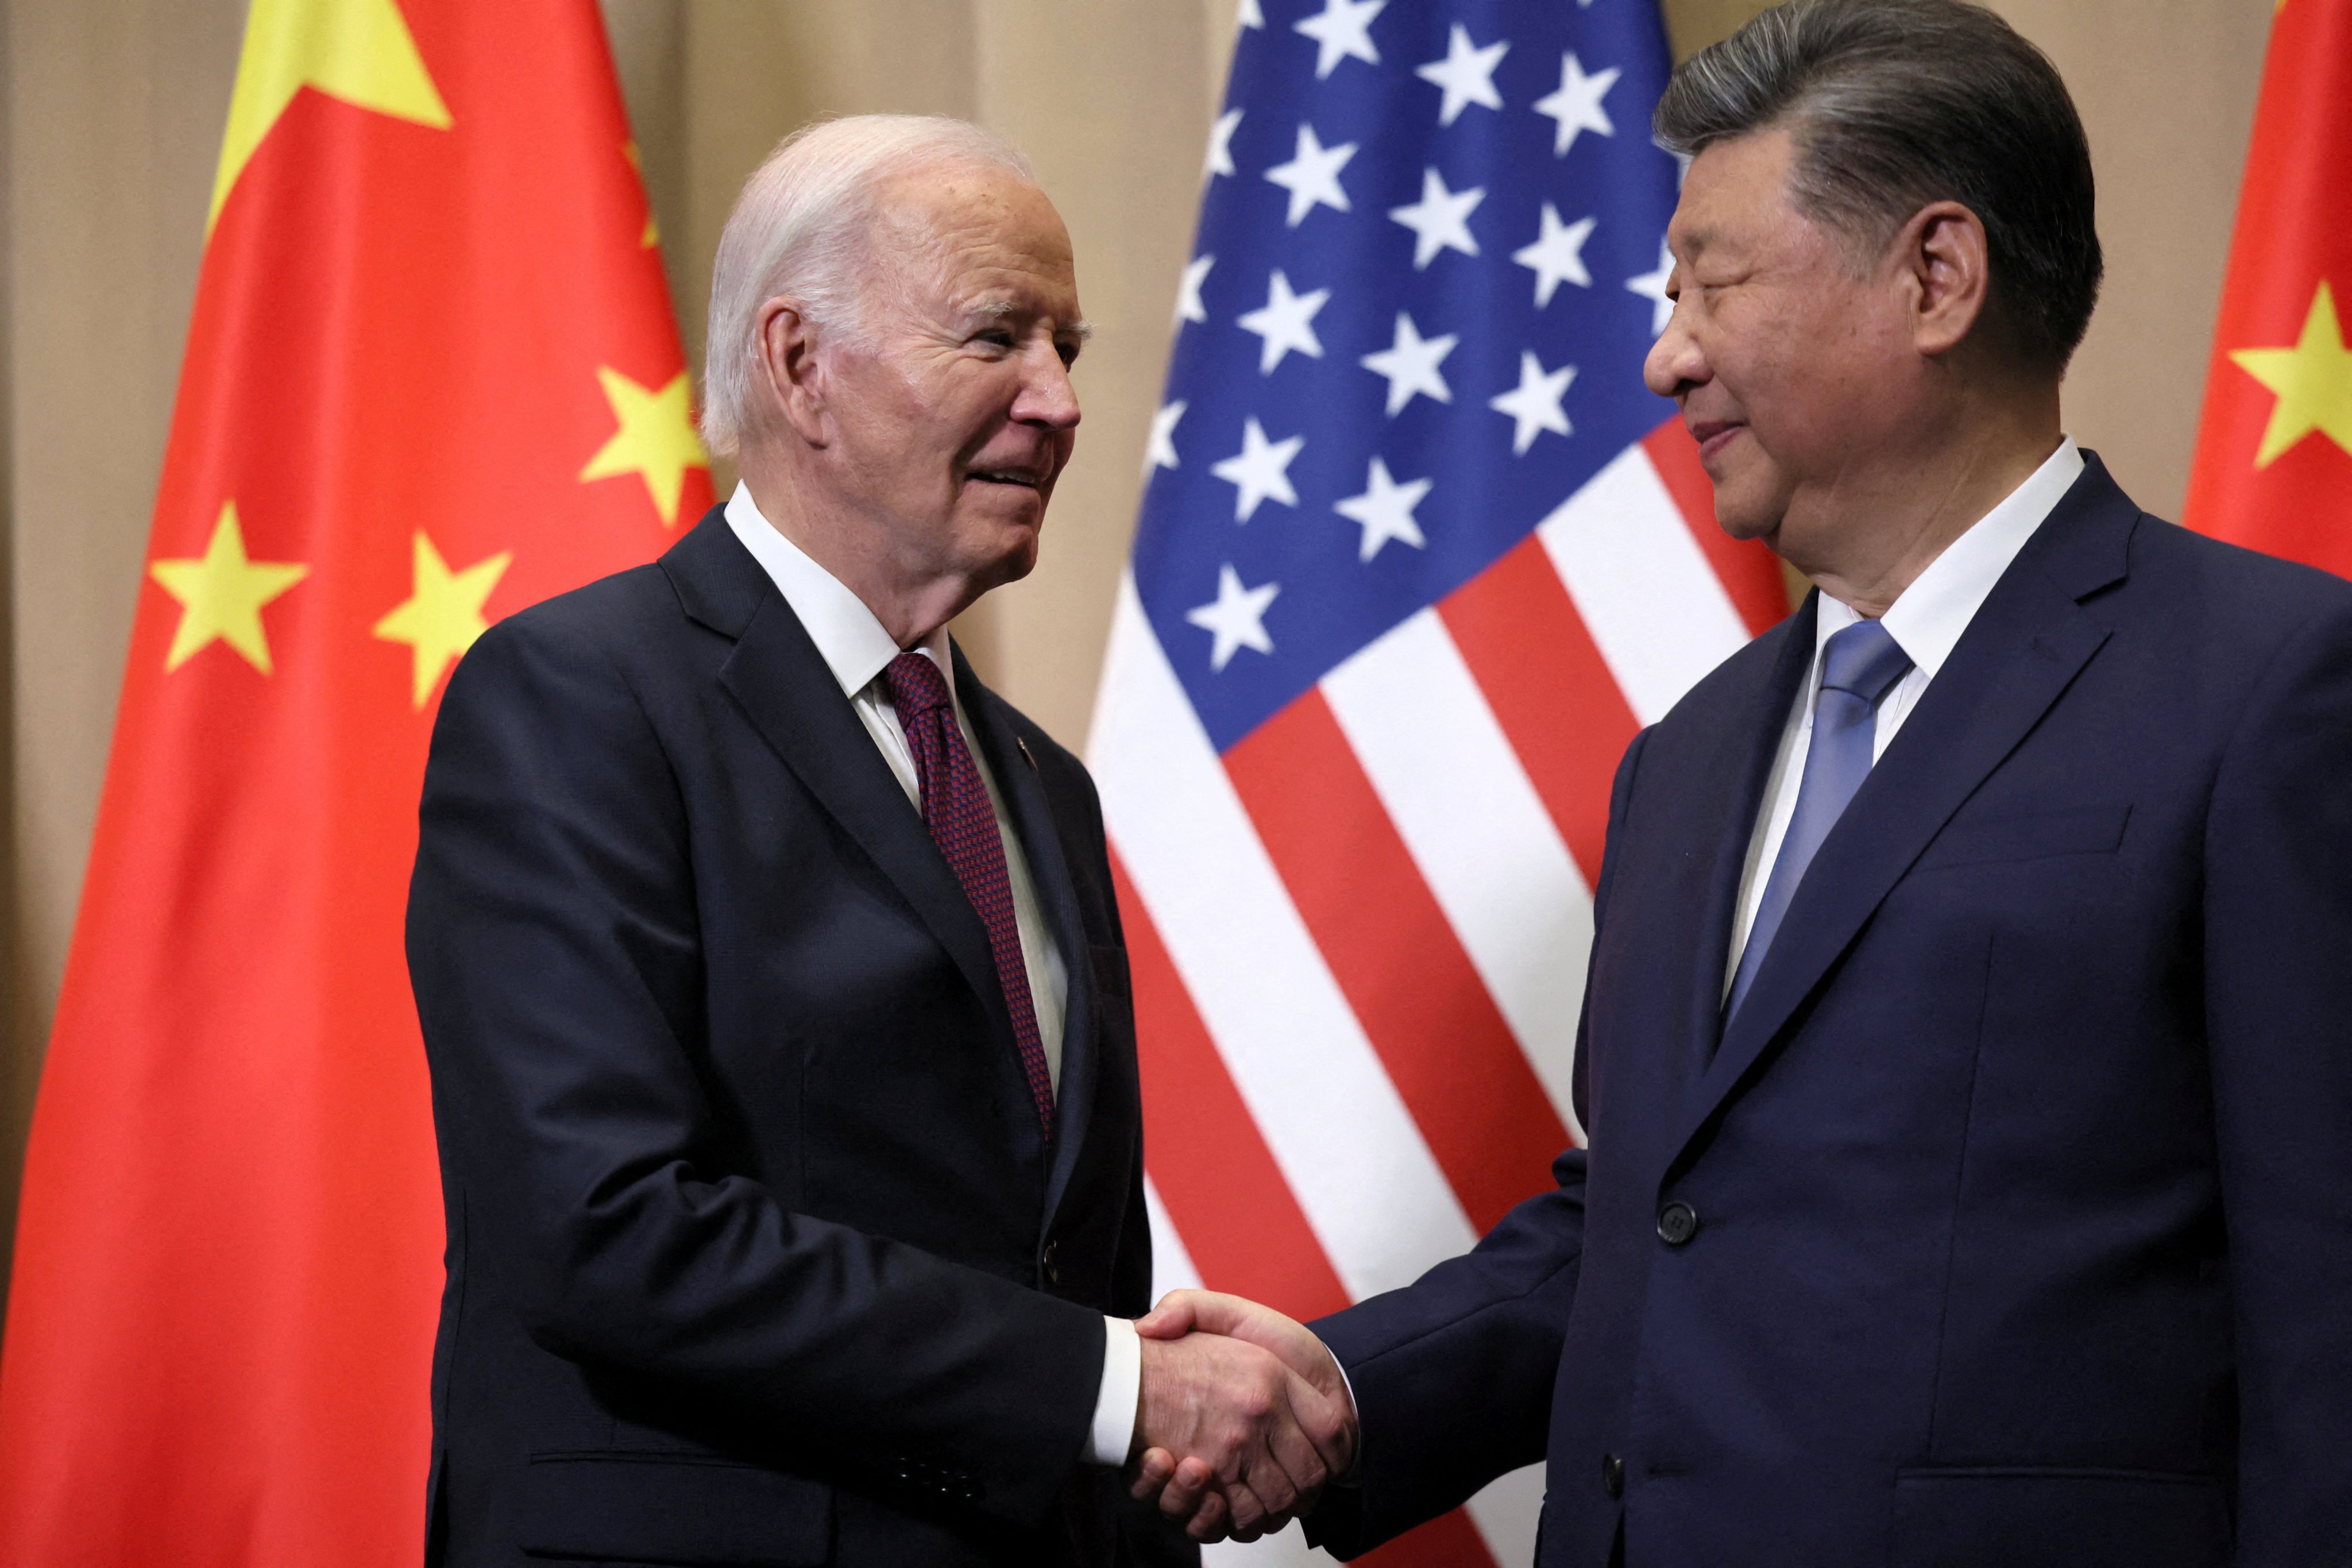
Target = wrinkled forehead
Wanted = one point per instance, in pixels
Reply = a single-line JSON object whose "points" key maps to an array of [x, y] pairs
{"points": [[962, 234]]}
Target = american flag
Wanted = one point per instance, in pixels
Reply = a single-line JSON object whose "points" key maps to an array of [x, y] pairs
{"points": [[1418, 555]]}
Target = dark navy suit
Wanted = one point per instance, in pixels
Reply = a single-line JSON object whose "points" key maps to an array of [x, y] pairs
{"points": [[2009, 1221], [757, 1252]]}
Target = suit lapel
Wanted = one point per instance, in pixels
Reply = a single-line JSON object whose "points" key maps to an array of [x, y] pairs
{"points": [[785, 689], [1744, 762], [1032, 822], [2026, 645]]}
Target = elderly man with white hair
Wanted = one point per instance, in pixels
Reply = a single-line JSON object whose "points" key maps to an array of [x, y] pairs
{"points": [[772, 979]]}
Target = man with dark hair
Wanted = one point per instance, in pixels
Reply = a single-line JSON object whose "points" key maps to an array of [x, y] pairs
{"points": [[1967, 1053]]}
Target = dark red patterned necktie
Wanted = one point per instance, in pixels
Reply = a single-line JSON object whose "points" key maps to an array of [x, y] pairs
{"points": [[964, 825]]}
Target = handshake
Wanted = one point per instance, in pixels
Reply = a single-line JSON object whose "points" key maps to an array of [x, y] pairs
{"points": [[1243, 1418]]}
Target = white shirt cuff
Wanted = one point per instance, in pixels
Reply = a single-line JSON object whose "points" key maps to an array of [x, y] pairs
{"points": [[1122, 1388], [1356, 1470]]}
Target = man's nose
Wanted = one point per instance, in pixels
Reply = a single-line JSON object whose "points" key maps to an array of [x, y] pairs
{"points": [[1674, 361], [1047, 396]]}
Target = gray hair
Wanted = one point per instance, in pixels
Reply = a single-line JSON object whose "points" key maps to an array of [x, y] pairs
{"points": [[1897, 103], [804, 226]]}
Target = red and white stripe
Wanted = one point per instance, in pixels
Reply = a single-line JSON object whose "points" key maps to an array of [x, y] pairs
{"points": [[1359, 936]]}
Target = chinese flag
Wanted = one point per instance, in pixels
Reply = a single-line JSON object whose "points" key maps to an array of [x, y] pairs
{"points": [[431, 377], [2274, 468]]}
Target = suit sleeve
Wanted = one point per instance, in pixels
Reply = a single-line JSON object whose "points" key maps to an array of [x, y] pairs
{"points": [[1130, 1279], [1453, 1374], [555, 951], [2278, 923]]}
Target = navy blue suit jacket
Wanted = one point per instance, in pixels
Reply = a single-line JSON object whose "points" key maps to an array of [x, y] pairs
{"points": [[2022, 1181], [756, 1251]]}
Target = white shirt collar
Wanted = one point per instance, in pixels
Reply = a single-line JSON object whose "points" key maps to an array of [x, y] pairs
{"points": [[850, 638], [1928, 618]]}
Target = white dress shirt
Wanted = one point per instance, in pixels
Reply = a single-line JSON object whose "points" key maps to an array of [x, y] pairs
{"points": [[857, 648], [1926, 621]]}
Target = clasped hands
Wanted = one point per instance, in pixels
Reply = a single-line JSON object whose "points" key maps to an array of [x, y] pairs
{"points": [[1243, 1415]]}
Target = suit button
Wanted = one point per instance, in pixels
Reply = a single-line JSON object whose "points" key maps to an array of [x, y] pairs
{"points": [[1613, 1475], [1678, 1223], [1050, 1261]]}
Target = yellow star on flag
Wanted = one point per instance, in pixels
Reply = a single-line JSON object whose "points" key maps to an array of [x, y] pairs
{"points": [[2313, 380], [356, 50], [655, 439], [443, 614], [221, 594]]}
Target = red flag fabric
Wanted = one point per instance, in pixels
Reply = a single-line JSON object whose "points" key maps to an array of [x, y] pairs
{"points": [[431, 376], [2273, 464]]}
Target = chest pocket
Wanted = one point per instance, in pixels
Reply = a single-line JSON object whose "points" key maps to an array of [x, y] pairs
{"points": [[2029, 836]]}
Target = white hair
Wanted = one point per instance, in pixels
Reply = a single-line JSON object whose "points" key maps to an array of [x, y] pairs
{"points": [[802, 228]]}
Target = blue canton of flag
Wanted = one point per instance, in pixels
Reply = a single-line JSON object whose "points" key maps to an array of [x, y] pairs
{"points": [[1431, 259]]}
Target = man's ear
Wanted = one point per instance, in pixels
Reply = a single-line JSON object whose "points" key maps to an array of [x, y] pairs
{"points": [[792, 370], [1944, 252]]}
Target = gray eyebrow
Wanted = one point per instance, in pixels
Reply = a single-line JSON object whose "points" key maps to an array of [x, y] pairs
{"points": [[1081, 328]]}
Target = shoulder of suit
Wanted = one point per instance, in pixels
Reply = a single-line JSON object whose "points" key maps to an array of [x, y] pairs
{"points": [[2231, 575], [2219, 607], [612, 611]]}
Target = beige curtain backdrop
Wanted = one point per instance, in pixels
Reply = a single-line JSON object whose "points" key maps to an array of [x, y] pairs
{"points": [[113, 118]]}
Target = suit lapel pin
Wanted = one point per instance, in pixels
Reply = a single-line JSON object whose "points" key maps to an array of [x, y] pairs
{"points": [[1025, 756]]}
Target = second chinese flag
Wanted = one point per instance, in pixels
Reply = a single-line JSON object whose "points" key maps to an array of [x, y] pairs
{"points": [[431, 377], [2274, 468]]}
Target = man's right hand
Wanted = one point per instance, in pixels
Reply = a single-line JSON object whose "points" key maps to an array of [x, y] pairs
{"points": [[1241, 1423], [1188, 1485]]}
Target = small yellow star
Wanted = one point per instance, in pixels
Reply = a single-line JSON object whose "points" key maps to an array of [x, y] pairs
{"points": [[655, 439], [443, 614], [221, 594], [2313, 380], [651, 235], [356, 50]]}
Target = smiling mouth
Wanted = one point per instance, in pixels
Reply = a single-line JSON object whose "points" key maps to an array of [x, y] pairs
{"points": [[1713, 435], [1020, 476]]}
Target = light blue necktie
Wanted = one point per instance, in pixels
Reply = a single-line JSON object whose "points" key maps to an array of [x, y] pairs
{"points": [[1859, 665]]}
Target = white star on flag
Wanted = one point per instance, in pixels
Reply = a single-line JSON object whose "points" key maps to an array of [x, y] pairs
{"points": [[1343, 31], [1249, 15], [1410, 366], [1557, 255], [1220, 159], [1577, 105], [1312, 175], [1160, 447], [1440, 220], [1534, 403], [1237, 619], [1466, 75], [1652, 286], [1188, 290], [1285, 321], [1385, 510], [1260, 471]]}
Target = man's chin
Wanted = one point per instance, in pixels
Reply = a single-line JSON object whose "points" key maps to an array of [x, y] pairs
{"points": [[1744, 513], [1015, 560]]}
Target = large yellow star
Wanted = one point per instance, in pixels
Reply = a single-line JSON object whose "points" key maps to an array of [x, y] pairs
{"points": [[357, 51], [221, 594], [2313, 380], [655, 439], [443, 614]]}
